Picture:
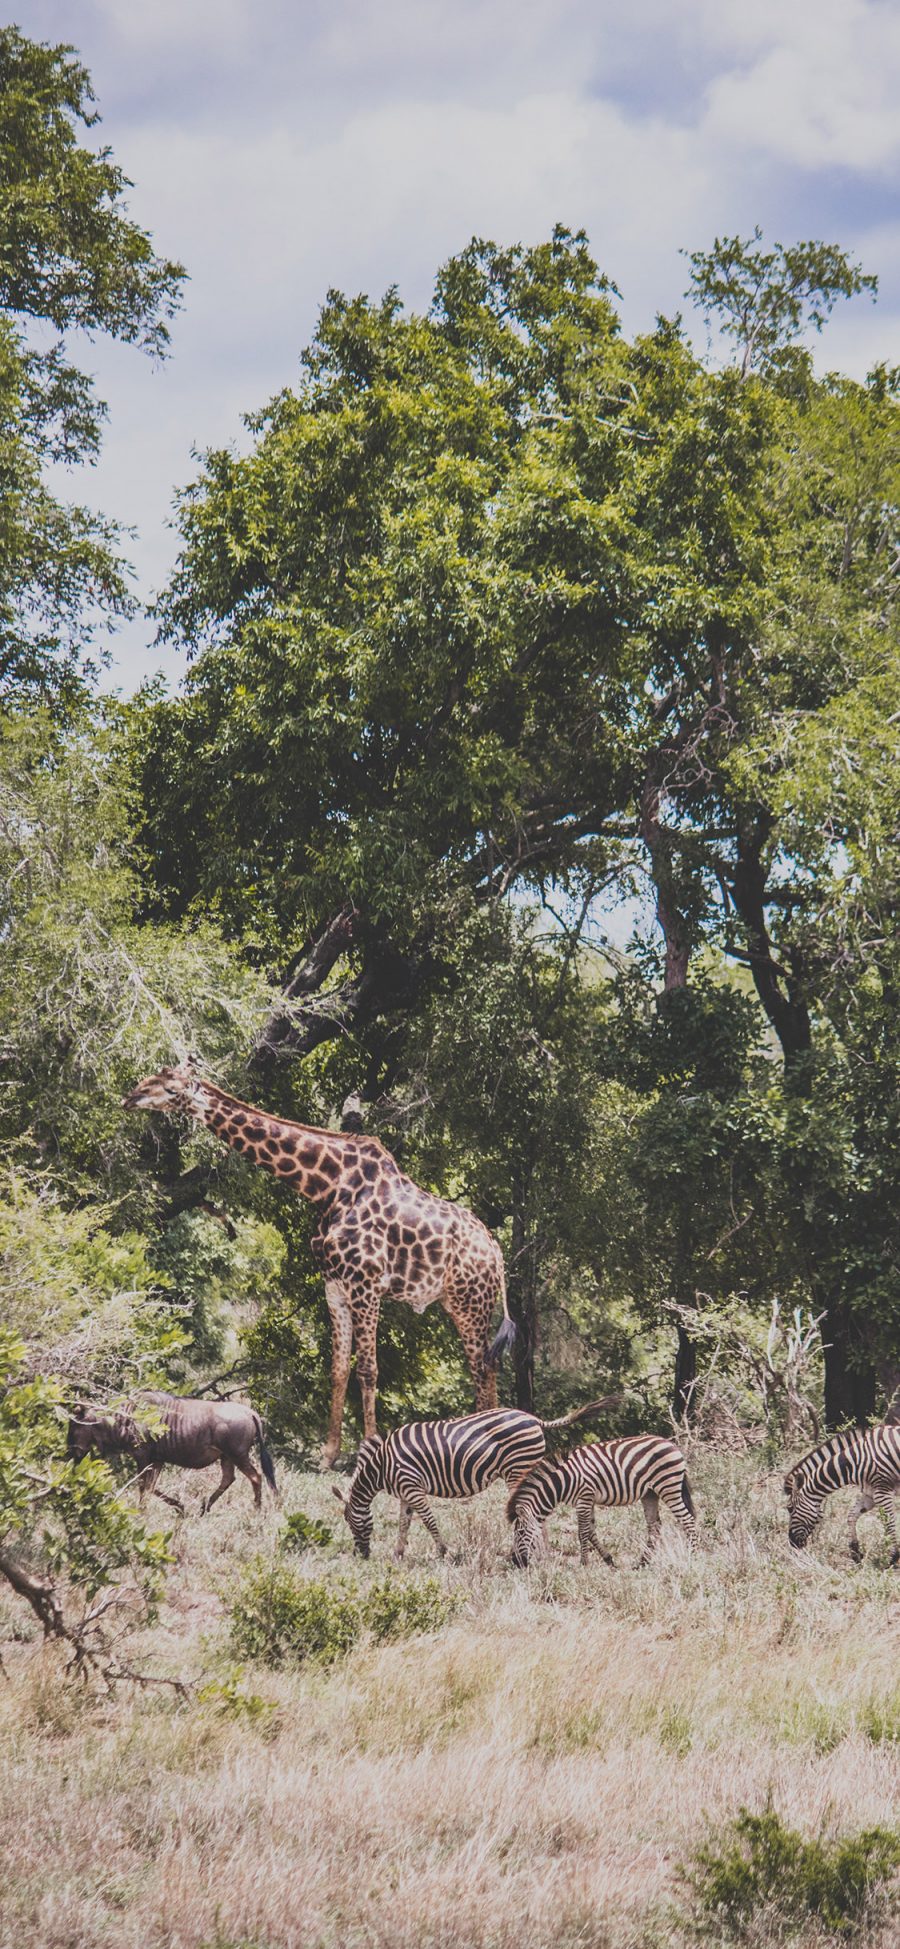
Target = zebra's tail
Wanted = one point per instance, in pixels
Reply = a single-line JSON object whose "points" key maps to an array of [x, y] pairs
{"points": [[506, 1333], [578, 1414], [686, 1496], [265, 1458]]}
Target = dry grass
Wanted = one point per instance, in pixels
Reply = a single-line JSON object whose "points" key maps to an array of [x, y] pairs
{"points": [[537, 1774]]}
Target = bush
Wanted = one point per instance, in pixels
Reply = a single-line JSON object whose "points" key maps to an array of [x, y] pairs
{"points": [[396, 1608], [764, 1864], [230, 1699], [303, 1532], [279, 1617]]}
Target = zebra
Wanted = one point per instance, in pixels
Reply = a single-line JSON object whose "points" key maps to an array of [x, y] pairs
{"points": [[867, 1457], [455, 1458], [634, 1468]]}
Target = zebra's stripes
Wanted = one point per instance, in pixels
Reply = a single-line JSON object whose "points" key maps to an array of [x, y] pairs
{"points": [[867, 1457], [447, 1459], [636, 1468]]}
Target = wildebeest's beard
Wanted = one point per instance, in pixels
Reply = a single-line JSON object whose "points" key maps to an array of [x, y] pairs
{"points": [[84, 1436]]}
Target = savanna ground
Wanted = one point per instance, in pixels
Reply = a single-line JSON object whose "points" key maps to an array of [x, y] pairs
{"points": [[536, 1772]]}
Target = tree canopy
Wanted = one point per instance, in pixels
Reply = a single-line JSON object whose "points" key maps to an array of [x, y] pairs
{"points": [[504, 621], [70, 258]]}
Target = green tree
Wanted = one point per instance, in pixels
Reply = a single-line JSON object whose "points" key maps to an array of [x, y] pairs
{"points": [[70, 258], [499, 604]]}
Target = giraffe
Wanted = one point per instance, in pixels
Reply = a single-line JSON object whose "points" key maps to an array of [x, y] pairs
{"points": [[379, 1236]]}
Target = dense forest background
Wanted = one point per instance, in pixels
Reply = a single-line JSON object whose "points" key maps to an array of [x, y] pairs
{"points": [[506, 639]]}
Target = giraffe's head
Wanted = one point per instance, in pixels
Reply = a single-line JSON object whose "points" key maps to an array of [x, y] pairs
{"points": [[170, 1089]]}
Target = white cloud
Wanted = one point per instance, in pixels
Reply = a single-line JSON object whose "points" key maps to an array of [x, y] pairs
{"points": [[823, 91], [280, 148]]}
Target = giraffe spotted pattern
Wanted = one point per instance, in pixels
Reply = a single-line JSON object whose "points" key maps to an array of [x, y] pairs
{"points": [[379, 1236]]}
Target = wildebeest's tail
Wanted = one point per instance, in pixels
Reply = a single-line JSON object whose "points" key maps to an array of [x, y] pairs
{"points": [[265, 1458], [506, 1333], [578, 1414]]}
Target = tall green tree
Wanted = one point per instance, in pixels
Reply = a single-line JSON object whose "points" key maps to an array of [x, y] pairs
{"points": [[499, 603], [70, 258]]}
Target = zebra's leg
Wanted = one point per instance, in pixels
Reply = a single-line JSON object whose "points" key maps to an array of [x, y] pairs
{"points": [[418, 1505], [861, 1507], [883, 1501], [651, 1511], [892, 1529], [587, 1530], [406, 1516], [686, 1522], [227, 1477]]}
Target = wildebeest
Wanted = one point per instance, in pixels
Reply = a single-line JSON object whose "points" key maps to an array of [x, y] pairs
{"points": [[169, 1428]]}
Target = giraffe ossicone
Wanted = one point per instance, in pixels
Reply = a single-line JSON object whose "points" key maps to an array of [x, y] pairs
{"points": [[379, 1236]]}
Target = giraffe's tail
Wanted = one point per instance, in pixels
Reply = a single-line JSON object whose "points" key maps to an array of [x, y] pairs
{"points": [[506, 1333]]}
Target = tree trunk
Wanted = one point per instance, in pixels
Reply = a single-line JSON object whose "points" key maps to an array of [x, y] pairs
{"points": [[849, 1374], [685, 1375], [522, 1300], [780, 990], [675, 927]]}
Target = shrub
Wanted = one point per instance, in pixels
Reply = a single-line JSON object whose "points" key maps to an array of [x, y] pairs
{"points": [[280, 1617], [231, 1700], [763, 1864], [396, 1608], [301, 1532]]}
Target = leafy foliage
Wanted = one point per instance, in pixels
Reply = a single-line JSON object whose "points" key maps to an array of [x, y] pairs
{"points": [[69, 257], [280, 1617], [764, 1865]]}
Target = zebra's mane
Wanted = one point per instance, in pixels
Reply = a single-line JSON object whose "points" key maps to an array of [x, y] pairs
{"points": [[538, 1470], [839, 1444]]}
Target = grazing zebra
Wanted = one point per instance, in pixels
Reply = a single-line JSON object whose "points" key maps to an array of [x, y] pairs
{"points": [[868, 1457], [635, 1468], [446, 1459]]}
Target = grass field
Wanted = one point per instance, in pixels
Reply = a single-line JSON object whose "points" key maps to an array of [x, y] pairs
{"points": [[537, 1772]]}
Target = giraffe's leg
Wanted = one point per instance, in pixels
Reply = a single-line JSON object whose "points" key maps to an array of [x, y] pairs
{"points": [[341, 1353], [406, 1516], [225, 1482], [365, 1335], [471, 1322], [651, 1511]]}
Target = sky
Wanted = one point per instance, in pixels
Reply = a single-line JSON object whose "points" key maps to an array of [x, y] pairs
{"points": [[281, 149]]}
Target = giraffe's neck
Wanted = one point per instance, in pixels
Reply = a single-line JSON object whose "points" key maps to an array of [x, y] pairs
{"points": [[313, 1162]]}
